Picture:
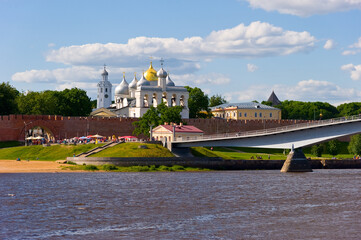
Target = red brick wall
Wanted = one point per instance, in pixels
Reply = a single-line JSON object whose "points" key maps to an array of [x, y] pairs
{"points": [[12, 126]]}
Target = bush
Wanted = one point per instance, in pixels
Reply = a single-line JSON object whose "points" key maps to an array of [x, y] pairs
{"points": [[109, 167], [178, 168], [333, 147], [91, 168], [355, 145], [317, 150], [71, 163]]}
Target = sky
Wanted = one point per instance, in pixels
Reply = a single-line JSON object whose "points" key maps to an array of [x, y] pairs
{"points": [[306, 50]]}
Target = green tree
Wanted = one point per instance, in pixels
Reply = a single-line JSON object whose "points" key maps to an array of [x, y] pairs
{"points": [[354, 146], [317, 150], [307, 110], [74, 102], [157, 116], [333, 147], [349, 109], [70, 102], [216, 100], [197, 102], [8, 95]]}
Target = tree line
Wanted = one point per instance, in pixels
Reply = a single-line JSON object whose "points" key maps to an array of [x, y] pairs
{"points": [[315, 110], [69, 102], [75, 102]]}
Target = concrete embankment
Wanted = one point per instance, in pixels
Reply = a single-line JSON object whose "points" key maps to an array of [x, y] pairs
{"points": [[213, 163]]}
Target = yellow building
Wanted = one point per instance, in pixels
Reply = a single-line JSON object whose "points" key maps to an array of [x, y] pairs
{"points": [[246, 111], [178, 132]]}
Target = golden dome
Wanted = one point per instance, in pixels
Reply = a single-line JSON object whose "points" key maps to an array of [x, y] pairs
{"points": [[151, 74]]}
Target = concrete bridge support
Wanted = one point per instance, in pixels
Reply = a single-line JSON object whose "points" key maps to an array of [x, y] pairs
{"points": [[296, 162]]}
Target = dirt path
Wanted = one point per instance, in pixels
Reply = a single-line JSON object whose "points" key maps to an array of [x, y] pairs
{"points": [[13, 166]]}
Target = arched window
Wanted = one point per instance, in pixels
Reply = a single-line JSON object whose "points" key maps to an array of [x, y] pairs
{"points": [[145, 101], [173, 100], [270, 114], [164, 98], [255, 114], [154, 100], [181, 101], [260, 114]]}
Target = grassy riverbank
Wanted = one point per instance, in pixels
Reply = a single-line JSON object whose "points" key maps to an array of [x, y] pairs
{"points": [[242, 153], [152, 168], [135, 150], [51, 153]]}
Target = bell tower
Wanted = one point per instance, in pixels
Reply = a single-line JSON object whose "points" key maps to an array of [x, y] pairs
{"points": [[104, 97]]}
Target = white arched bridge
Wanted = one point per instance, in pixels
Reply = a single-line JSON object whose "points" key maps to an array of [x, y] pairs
{"points": [[299, 135]]}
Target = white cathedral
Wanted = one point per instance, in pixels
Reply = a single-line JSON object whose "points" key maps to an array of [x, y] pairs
{"points": [[135, 98]]}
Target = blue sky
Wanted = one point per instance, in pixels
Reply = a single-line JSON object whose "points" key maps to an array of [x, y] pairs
{"points": [[242, 49]]}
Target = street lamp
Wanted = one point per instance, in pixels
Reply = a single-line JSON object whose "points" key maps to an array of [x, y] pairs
{"points": [[25, 133]]}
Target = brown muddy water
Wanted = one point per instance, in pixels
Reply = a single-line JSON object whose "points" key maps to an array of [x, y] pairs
{"points": [[325, 204]]}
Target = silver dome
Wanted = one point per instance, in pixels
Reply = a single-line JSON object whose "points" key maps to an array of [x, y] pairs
{"points": [[133, 84], [162, 73], [169, 82], [122, 88], [143, 82]]}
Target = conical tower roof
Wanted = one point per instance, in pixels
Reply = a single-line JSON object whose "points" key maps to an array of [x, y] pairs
{"points": [[274, 99]]}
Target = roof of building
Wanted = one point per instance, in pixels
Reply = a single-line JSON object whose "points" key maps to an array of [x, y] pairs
{"points": [[180, 128], [274, 99], [245, 105]]}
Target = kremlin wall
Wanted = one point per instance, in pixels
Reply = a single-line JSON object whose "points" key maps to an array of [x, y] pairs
{"points": [[13, 127]]}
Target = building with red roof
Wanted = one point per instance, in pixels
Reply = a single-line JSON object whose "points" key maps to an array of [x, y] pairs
{"points": [[176, 132]]}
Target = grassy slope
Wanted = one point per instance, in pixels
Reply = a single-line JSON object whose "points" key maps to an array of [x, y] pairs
{"points": [[132, 150], [247, 153], [226, 153], [55, 152]]}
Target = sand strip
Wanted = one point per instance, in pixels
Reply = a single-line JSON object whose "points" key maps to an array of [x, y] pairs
{"points": [[13, 166]]}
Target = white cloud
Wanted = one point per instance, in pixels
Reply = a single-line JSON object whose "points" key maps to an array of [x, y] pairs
{"points": [[307, 90], [51, 45], [61, 75], [251, 67], [306, 8], [329, 44], [197, 80], [349, 52], [353, 48], [354, 70], [356, 44], [258, 39]]}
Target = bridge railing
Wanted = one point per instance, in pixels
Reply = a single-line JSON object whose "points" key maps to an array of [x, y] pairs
{"points": [[278, 129]]}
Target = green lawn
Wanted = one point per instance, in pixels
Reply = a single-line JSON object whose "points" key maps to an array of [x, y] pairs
{"points": [[132, 150], [55, 152]]}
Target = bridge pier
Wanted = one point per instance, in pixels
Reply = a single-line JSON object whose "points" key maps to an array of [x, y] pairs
{"points": [[296, 162]]}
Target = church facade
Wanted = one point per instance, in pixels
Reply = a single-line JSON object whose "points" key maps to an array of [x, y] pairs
{"points": [[134, 99]]}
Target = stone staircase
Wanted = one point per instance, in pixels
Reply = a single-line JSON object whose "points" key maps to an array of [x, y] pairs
{"points": [[98, 149]]}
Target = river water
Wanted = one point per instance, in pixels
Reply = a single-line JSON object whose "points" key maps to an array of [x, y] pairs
{"points": [[325, 204]]}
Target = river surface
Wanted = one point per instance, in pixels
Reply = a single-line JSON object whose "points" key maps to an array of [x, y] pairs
{"points": [[325, 204]]}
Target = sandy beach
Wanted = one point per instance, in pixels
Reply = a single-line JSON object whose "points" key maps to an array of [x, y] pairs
{"points": [[13, 166]]}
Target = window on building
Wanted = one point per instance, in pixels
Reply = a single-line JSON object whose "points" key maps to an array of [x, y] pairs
{"points": [[255, 114], [101, 90], [270, 114], [106, 89], [245, 114], [234, 114], [260, 114], [240, 114]]}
